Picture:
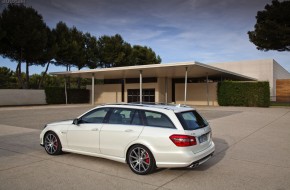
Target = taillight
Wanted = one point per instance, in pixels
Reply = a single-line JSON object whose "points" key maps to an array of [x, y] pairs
{"points": [[183, 140]]}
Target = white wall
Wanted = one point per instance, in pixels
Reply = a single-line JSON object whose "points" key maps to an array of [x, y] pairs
{"points": [[259, 69], [15, 97]]}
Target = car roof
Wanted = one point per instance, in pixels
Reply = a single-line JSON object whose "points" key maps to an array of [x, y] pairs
{"points": [[163, 106]]}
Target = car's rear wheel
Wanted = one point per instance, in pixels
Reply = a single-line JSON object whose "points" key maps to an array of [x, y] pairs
{"points": [[141, 160], [52, 144]]}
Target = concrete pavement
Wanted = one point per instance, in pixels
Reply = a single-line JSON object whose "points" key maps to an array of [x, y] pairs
{"points": [[252, 152]]}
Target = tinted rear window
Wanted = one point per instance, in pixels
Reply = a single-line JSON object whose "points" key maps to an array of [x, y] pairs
{"points": [[191, 120], [155, 119]]}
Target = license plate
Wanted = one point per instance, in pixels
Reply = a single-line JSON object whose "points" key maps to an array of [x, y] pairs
{"points": [[203, 138]]}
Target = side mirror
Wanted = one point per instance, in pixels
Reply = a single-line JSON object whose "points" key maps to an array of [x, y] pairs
{"points": [[76, 121]]}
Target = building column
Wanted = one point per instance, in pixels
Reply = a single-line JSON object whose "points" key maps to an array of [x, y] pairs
{"points": [[65, 90], [140, 86], [185, 86], [123, 90], [93, 89], [207, 93], [166, 90]]}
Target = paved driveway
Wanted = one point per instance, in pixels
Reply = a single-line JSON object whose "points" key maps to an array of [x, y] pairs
{"points": [[252, 152]]}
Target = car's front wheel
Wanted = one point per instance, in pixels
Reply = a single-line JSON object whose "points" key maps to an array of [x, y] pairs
{"points": [[52, 144], [141, 160]]}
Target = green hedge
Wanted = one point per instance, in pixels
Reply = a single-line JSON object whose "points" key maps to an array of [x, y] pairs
{"points": [[55, 95], [251, 94]]}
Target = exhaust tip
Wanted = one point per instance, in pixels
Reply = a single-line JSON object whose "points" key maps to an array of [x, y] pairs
{"points": [[194, 165]]}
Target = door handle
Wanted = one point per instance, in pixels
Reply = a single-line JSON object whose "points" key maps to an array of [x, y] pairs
{"points": [[96, 129], [128, 130]]}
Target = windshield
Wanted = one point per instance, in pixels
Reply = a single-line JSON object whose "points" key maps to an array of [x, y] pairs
{"points": [[191, 120]]}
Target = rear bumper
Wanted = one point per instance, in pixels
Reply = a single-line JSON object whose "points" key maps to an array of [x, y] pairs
{"points": [[201, 161], [188, 159]]}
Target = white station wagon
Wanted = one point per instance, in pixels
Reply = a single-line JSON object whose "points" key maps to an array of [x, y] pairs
{"points": [[144, 136]]}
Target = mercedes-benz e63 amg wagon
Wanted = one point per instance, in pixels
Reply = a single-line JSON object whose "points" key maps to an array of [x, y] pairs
{"points": [[143, 136]]}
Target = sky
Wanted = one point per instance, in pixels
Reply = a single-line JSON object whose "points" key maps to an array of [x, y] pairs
{"points": [[207, 31]]}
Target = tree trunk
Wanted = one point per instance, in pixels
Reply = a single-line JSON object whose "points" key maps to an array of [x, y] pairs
{"points": [[18, 73], [79, 81], [68, 78], [27, 76], [43, 76]]}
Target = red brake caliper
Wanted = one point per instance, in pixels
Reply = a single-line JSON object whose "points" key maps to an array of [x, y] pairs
{"points": [[147, 160], [55, 143]]}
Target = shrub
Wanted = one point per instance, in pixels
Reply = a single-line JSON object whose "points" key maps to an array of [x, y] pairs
{"points": [[56, 95], [251, 94], [78, 96]]}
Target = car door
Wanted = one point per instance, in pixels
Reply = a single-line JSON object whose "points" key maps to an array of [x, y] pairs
{"points": [[84, 136], [122, 127]]}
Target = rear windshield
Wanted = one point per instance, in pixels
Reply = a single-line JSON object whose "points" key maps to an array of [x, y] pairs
{"points": [[191, 120]]}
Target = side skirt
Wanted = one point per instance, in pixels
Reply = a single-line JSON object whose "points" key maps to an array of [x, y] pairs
{"points": [[118, 159]]}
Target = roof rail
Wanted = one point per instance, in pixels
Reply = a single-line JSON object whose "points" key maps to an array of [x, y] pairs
{"points": [[148, 104]]}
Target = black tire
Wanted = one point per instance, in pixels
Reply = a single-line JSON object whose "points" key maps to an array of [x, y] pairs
{"points": [[52, 144], [141, 160]]}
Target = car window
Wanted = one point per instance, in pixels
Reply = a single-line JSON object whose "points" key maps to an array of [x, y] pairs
{"points": [[124, 116], [136, 118], [191, 120], [156, 119], [95, 116]]}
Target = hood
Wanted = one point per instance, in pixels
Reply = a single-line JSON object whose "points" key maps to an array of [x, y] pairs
{"points": [[66, 122]]}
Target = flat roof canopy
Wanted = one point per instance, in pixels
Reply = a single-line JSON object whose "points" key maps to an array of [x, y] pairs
{"points": [[176, 70]]}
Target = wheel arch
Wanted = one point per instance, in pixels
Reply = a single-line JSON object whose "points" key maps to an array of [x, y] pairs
{"points": [[142, 144], [58, 136]]}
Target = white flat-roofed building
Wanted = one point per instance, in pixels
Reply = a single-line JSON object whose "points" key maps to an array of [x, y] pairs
{"points": [[190, 83]]}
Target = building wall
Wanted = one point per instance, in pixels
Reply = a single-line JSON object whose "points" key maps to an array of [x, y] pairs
{"points": [[162, 90], [196, 94], [107, 93], [16, 97], [263, 70], [112, 93]]}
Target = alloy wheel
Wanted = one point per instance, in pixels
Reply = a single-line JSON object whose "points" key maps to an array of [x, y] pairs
{"points": [[52, 144], [140, 160]]}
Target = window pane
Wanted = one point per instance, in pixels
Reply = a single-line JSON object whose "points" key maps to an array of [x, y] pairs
{"points": [[136, 120], [146, 99], [148, 95], [121, 116], [191, 120], [95, 116], [156, 119]]}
